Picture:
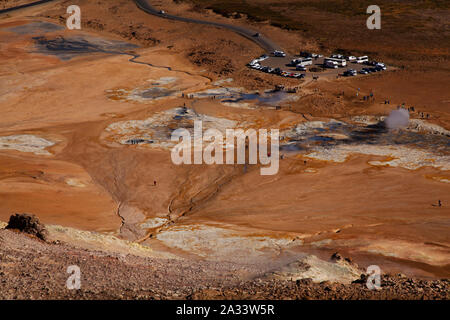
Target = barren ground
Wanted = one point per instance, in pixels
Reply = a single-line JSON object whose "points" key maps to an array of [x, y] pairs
{"points": [[67, 117]]}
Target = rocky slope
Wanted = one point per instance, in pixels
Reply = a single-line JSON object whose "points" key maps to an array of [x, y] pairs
{"points": [[31, 268]]}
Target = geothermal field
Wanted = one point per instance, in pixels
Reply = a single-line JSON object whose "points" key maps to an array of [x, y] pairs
{"points": [[361, 163]]}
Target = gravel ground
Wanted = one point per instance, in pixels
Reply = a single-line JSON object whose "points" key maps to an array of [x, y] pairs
{"points": [[392, 288], [33, 269]]}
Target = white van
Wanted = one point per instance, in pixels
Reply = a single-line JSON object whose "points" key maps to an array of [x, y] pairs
{"points": [[362, 59]]}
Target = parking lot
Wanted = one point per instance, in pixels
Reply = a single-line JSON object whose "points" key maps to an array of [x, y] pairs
{"points": [[315, 70]]}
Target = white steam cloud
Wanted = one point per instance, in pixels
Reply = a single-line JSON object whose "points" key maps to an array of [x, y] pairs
{"points": [[397, 119]]}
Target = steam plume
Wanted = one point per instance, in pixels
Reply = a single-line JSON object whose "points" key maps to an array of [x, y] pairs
{"points": [[397, 119]]}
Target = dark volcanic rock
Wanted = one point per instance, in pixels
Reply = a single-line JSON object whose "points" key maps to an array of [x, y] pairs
{"points": [[336, 256], [28, 223]]}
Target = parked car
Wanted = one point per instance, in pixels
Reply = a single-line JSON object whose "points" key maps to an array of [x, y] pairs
{"points": [[362, 71], [162, 12], [337, 56], [350, 58], [300, 68], [294, 62], [278, 53], [371, 63], [350, 73], [330, 64], [380, 66]]}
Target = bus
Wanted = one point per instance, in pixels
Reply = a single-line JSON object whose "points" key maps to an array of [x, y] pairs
{"points": [[304, 62], [340, 62]]}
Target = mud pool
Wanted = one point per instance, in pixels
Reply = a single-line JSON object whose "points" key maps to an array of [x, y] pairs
{"points": [[157, 130], [34, 28], [336, 140], [66, 48], [237, 97], [163, 87]]}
